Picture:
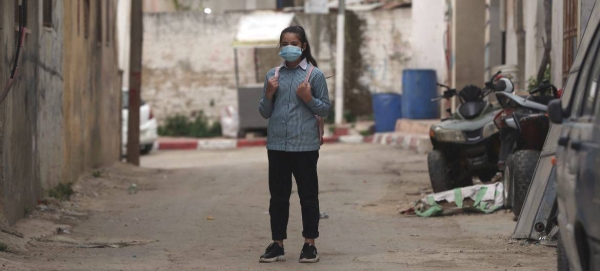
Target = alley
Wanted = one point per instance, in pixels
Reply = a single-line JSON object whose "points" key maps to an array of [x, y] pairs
{"points": [[208, 211]]}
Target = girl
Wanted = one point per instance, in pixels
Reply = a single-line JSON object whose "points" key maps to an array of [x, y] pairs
{"points": [[294, 93]]}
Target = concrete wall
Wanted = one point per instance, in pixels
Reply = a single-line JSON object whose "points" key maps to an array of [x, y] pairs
{"points": [[429, 28], [19, 187], [557, 43], [188, 63], [50, 99], [388, 49], [188, 59], [92, 91], [217, 6], [468, 42], [493, 47], [61, 117], [534, 32]]}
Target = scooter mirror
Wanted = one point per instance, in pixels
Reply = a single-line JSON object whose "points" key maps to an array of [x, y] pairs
{"points": [[555, 111]]}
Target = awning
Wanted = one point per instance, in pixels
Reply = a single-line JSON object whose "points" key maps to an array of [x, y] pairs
{"points": [[261, 29]]}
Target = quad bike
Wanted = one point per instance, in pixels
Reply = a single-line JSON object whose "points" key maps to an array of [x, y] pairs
{"points": [[467, 143], [523, 125]]}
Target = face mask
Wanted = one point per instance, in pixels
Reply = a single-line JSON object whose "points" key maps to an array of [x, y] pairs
{"points": [[290, 53]]}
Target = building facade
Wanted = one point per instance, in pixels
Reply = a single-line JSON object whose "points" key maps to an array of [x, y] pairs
{"points": [[61, 116]]}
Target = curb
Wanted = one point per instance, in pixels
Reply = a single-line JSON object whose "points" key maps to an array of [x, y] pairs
{"points": [[217, 144], [416, 142]]}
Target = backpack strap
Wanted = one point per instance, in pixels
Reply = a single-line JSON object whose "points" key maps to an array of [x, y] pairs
{"points": [[277, 72], [308, 73], [320, 122]]}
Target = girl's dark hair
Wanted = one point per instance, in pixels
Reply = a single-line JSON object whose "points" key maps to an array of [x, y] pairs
{"points": [[299, 31]]}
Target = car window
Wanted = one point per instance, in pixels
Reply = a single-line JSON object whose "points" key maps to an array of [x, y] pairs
{"points": [[585, 81], [591, 89]]}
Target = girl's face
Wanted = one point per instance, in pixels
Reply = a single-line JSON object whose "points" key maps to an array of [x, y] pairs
{"points": [[292, 39]]}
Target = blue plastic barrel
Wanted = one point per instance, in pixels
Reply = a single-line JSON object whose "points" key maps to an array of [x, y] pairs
{"points": [[387, 109], [418, 88]]}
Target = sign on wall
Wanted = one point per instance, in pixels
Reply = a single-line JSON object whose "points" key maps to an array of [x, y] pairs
{"points": [[316, 6]]}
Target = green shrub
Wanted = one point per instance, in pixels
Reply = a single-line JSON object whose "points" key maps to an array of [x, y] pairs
{"points": [[180, 125], [62, 191]]}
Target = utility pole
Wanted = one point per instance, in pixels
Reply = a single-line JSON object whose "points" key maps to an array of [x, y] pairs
{"points": [[135, 83], [339, 63]]}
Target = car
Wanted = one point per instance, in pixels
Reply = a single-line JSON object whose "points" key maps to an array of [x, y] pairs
{"points": [[578, 156], [148, 126]]}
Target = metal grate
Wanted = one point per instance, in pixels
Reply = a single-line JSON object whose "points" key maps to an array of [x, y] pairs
{"points": [[473, 134], [570, 34]]}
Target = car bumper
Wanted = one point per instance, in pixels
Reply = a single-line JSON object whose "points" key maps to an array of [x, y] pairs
{"points": [[149, 132]]}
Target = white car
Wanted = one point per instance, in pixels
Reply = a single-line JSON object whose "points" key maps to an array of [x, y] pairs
{"points": [[148, 126]]}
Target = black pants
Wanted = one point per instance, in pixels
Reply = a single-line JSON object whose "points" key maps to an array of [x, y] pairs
{"points": [[303, 165]]}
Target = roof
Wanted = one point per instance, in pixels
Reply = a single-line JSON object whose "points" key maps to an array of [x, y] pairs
{"points": [[370, 5], [261, 29]]}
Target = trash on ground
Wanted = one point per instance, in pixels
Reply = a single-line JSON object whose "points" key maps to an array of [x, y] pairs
{"points": [[69, 241], [210, 218], [324, 215], [132, 189], [408, 211], [477, 198], [63, 231], [230, 122]]}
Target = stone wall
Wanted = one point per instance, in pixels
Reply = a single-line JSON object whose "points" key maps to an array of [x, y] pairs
{"points": [[189, 66]]}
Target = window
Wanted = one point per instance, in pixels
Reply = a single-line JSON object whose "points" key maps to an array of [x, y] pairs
{"points": [[47, 13], [86, 18], [99, 21], [591, 89], [570, 28], [587, 82]]}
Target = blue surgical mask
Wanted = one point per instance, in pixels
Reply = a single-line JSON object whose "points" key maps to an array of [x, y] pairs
{"points": [[290, 53]]}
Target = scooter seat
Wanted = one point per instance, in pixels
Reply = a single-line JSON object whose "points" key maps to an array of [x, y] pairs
{"points": [[545, 100], [471, 110]]}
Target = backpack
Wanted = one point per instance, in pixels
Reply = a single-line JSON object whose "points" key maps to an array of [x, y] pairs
{"points": [[320, 122]]}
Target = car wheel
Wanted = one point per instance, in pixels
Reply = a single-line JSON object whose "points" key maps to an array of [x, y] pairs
{"points": [[524, 163], [561, 259], [146, 149]]}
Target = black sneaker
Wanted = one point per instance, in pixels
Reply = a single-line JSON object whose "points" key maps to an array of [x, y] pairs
{"points": [[309, 254], [274, 253]]}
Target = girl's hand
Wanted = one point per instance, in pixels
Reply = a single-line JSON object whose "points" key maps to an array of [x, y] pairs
{"points": [[272, 86], [303, 92]]}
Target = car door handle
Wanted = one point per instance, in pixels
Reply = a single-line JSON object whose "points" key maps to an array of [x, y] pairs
{"points": [[563, 141], [575, 145]]}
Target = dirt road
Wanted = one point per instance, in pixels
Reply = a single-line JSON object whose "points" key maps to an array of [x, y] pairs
{"points": [[208, 211]]}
